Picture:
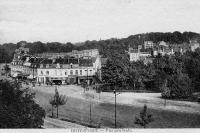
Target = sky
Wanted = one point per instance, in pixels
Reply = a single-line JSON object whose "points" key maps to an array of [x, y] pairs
{"points": [[81, 20]]}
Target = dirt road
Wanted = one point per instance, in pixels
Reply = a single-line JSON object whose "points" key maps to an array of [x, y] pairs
{"points": [[153, 100]]}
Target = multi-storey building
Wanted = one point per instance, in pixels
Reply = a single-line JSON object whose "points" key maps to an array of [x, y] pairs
{"points": [[136, 54], [68, 70], [63, 70], [148, 44]]}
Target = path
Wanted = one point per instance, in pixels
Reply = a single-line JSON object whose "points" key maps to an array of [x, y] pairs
{"points": [[152, 100], [56, 123]]}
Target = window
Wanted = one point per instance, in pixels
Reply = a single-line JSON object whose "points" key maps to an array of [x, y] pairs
{"points": [[90, 71], [41, 72], [65, 72], [80, 72], [47, 72], [71, 72], [76, 72]]}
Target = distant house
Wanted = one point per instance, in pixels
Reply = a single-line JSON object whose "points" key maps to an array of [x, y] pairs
{"points": [[163, 43], [194, 45], [148, 44], [134, 54]]}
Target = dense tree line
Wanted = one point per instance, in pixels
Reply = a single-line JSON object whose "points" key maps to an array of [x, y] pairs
{"points": [[176, 76], [105, 46]]}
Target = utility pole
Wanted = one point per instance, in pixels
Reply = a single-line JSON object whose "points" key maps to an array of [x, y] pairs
{"points": [[90, 112], [91, 109], [115, 108], [87, 70]]}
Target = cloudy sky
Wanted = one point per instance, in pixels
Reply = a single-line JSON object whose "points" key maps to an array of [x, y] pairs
{"points": [[80, 20]]}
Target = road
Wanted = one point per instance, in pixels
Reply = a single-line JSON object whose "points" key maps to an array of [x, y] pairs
{"points": [[153, 100], [56, 123]]}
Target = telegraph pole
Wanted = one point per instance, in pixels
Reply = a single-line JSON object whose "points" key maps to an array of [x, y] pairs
{"points": [[91, 109], [90, 112], [115, 109]]}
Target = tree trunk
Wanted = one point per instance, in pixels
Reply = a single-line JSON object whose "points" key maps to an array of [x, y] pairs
{"points": [[52, 111], [57, 111]]}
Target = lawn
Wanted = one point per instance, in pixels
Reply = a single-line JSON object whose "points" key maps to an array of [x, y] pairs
{"points": [[77, 110]]}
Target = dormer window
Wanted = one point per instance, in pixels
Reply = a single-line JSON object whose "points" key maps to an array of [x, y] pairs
{"points": [[71, 65], [41, 65], [47, 65]]}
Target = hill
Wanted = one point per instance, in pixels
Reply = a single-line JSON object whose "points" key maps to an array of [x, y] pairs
{"points": [[105, 46]]}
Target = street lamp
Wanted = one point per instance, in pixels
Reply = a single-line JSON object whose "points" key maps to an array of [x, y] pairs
{"points": [[115, 108], [91, 109], [115, 92]]}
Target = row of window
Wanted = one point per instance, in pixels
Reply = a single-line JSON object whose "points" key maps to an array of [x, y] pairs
{"points": [[72, 72]]}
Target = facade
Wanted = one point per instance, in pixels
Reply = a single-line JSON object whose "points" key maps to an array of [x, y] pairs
{"points": [[71, 69], [136, 54], [148, 44], [194, 45]]}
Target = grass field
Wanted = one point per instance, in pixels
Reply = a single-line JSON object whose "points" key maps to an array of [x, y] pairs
{"points": [[78, 110]]}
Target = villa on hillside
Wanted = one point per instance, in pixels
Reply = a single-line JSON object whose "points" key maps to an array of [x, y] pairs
{"points": [[148, 50]]}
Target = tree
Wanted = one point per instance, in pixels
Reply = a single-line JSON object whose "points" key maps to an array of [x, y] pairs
{"points": [[52, 102], [57, 101], [18, 108], [145, 118], [180, 86], [7, 69], [115, 72]]}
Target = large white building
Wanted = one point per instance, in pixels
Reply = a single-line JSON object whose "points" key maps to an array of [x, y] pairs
{"points": [[69, 70], [79, 66]]}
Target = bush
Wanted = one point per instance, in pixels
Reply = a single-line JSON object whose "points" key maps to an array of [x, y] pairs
{"points": [[145, 118]]}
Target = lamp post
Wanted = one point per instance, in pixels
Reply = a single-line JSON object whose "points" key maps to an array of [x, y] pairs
{"points": [[115, 92], [115, 109], [87, 70], [92, 96], [33, 67]]}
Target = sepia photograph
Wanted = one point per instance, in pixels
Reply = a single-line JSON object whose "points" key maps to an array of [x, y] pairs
{"points": [[100, 65]]}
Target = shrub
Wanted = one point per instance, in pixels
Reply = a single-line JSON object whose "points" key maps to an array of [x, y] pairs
{"points": [[145, 118]]}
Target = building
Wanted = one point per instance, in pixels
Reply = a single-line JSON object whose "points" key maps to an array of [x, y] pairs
{"points": [[79, 66], [134, 54], [138, 54], [148, 44], [69, 70], [194, 45]]}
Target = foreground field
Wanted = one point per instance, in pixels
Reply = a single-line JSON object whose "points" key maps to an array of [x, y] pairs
{"points": [[175, 114]]}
